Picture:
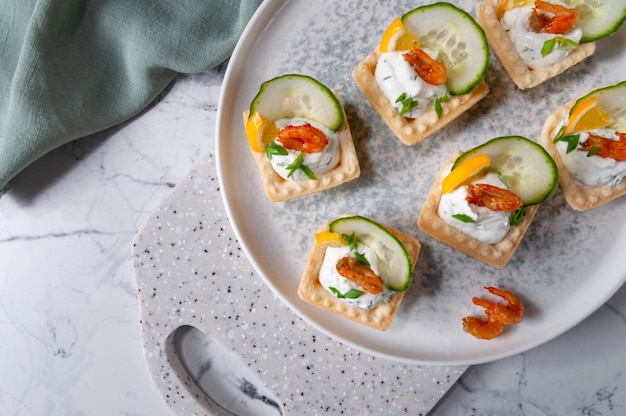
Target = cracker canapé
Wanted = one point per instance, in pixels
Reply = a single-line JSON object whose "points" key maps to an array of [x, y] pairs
{"points": [[580, 197], [496, 255], [278, 189], [379, 317], [502, 45], [411, 131]]}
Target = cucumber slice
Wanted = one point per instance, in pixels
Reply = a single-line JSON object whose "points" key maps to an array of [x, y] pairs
{"points": [[295, 95], [613, 100], [599, 19], [525, 166], [393, 256], [461, 43]]}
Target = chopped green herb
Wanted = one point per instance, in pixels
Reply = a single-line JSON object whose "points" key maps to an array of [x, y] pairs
{"points": [[559, 134], [593, 151], [548, 46], [297, 164], [350, 240], [571, 140], [401, 98], [438, 108], [361, 258], [408, 103], [350, 294], [560, 42], [517, 216], [308, 172], [438, 101], [274, 148], [565, 44], [463, 218]]}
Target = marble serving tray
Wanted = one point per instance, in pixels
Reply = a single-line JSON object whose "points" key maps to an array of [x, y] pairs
{"points": [[193, 279]]}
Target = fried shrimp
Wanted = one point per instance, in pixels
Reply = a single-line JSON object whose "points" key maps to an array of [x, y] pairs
{"points": [[429, 69], [492, 197], [498, 315], [482, 329], [607, 148], [304, 138], [552, 18], [511, 313], [353, 270]]}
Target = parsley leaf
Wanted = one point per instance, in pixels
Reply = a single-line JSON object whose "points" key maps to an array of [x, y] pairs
{"points": [[408, 102], [560, 42], [297, 164], [350, 240], [593, 151], [571, 140], [350, 294], [565, 44], [517, 216], [274, 148], [361, 258], [547, 48], [401, 98], [438, 108], [308, 172], [463, 218]]}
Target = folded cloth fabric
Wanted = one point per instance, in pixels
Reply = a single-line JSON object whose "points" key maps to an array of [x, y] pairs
{"points": [[70, 68]]}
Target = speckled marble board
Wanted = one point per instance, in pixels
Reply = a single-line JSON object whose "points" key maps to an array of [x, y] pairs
{"points": [[191, 273]]}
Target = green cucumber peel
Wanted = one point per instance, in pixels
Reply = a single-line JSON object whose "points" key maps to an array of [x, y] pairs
{"points": [[612, 98], [598, 19], [296, 95], [524, 165], [461, 42], [393, 258]]}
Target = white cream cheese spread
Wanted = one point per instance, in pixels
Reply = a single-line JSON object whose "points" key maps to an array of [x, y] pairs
{"points": [[480, 223], [404, 88], [318, 163], [531, 46], [592, 170], [329, 277]]}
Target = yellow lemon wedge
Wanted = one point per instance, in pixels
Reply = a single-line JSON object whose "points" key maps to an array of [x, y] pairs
{"points": [[260, 131], [396, 38], [506, 5], [464, 171], [329, 239], [587, 115], [502, 8], [523, 3]]}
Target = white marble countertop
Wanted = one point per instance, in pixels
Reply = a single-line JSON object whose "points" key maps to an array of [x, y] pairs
{"points": [[71, 339]]}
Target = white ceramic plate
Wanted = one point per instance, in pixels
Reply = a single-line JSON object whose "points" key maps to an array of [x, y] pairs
{"points": [[567, 266]]}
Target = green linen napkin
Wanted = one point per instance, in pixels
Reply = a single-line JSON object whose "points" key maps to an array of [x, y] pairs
{"points": [[70, 68]]}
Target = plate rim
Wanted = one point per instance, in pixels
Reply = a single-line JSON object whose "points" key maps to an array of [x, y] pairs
{"points": [[262, 18]]}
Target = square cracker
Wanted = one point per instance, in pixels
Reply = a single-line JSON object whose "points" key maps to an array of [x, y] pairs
{"points": [[496, 255], [580, 197], [379, 317], [502, 45], [278, 189], [411, 131]]}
